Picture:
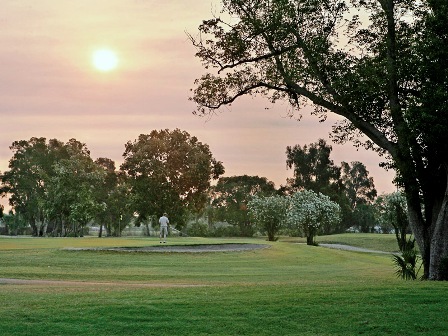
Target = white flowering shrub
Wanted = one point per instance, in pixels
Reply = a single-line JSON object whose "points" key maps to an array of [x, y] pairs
{"points": [[269, 213], [309, 211]]}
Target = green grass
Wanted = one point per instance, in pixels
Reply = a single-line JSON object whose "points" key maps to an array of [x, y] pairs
{"points": [[287, 289]]}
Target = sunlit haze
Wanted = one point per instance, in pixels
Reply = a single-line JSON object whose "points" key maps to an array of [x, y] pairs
{"points": [[104, 60], [50, 89]]}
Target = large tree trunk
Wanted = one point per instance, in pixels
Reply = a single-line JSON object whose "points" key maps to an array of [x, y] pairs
{"points": [[439, 242], [431, 231], [310, 240], [42, 228], [421, 237]]}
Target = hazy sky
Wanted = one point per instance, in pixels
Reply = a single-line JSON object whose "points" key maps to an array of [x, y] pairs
{"points": [[49, 87]]}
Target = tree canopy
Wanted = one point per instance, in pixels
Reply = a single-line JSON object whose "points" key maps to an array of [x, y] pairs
{"points": [[170, 171], [380, 65], [269, 213], [309, 211], [231, 195], [52, 184], [58, 186], [313, 168]]}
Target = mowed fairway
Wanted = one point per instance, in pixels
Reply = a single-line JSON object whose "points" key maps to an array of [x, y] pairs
{"points": [[286, 289]]}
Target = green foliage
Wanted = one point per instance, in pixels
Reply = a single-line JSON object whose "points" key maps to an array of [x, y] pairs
{"points": [[392, 211], [29, 170], [386, 83], [14, 224], [231, 195], [308, 212], [52, 185], [114, 195], [70, 191], [269, 213], [406, 265], [198, 229], [313, 169], [348, 185], [364, 218], [358, 186], [169, 171]]}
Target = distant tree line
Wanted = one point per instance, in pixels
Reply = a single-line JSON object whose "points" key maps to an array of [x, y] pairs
{"points": [[349, 186], [57, 189]]}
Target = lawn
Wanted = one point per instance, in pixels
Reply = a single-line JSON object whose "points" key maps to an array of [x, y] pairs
{"points": [[286, 289]]}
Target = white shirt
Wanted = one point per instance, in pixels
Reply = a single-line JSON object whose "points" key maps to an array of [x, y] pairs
{"points": [[163, 221]]}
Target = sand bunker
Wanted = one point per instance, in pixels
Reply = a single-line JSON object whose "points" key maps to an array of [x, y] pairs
{"points": [[199, 248]]}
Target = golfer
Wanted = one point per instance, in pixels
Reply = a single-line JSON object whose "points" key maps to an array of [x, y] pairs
{"points": [[163, 221]]}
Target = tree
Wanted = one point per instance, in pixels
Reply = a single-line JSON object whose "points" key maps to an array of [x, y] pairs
{"points": [[114, 194], [169, 171], [313, 168], [14, 223], [385, 76], [70, 191], [359, 187], [51, 184], [231, 195], [363, 217], [360, 191], [269, 213], [25, 181], [393, 212], [309, 212]]}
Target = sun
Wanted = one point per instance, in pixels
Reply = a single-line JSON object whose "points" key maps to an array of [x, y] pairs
{"points": [[104, 60]]}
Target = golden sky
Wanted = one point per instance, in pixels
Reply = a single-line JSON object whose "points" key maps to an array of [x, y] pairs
{"points": [[49, 87]]}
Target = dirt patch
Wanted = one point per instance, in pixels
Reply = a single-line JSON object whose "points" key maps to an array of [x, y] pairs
{"points": [[198, 248]]}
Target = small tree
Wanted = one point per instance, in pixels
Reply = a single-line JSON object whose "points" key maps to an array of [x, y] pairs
{"points": [[392, 211], [14, 223], [269, 213], [309, 212], [363, 217]]}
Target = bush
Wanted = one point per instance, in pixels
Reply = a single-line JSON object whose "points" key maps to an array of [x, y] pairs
{"points": [[198, 229], [225, 231]]}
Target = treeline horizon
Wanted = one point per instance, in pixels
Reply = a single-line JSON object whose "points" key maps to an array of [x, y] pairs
{"points": [[57, 188]]}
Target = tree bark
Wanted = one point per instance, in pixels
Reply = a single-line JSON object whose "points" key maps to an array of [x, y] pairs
{"points": [[310, 240], [439, 241], [34, 227]]}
